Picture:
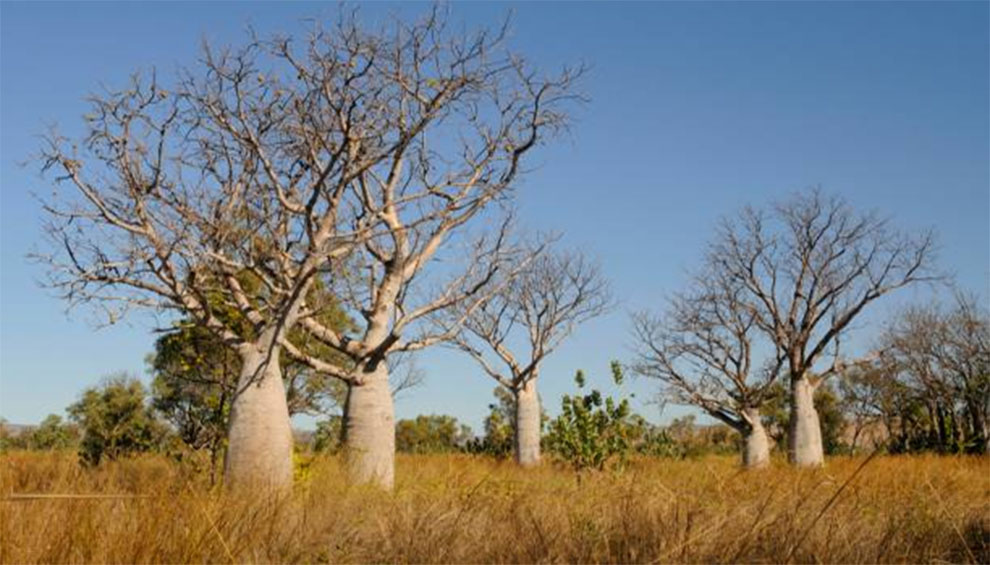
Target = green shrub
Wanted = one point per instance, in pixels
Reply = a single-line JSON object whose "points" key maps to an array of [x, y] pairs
{"points": [[592, 429], [53, 434], [431, 434], [116, 420]]}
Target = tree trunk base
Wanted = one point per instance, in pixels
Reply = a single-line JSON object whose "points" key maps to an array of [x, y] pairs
{"points": [[756, 444], [369, 430], [259, 449], [805, 438], [527, 428]]}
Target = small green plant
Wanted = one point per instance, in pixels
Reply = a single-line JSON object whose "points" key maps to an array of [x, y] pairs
{"points": [[655, 441], [592, 429]]}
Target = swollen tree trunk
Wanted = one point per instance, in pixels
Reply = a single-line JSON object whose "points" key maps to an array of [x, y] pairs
{"points": [[756, 444], [527, 428], [259, 449], [369, 427], [805, 438]]}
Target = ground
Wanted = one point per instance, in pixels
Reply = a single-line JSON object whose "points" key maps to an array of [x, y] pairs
{"points": [[463, 509]]}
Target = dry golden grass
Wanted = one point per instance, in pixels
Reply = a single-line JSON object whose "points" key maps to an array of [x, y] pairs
{"points": [[461, 509]]}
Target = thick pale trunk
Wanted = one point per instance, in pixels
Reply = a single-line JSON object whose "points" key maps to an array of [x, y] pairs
{"points": [[259, 448], [369, 428], [756, 444], [805, 438], [527, 428]]}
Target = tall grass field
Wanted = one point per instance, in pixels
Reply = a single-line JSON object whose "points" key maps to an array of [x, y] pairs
{"points": [[464, 509]]}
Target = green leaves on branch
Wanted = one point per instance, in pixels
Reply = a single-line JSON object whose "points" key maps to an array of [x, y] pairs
{"points": [[592, 429]]}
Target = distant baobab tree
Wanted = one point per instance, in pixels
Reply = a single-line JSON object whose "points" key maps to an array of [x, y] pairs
{"points": [[279, 166], [807, 267], [705, 350], [539, 307]]}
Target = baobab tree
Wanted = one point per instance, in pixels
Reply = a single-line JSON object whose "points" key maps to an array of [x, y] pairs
{"points": [[284, 167], [176, 198], [457, 118], [539, 306], [810, 266], [705, 349]]}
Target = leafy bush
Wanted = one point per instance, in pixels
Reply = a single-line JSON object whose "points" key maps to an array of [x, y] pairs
{"points": [[499, 432], [116, 420], [591, 429], [652, 441], [53, 434], [431, 434]]}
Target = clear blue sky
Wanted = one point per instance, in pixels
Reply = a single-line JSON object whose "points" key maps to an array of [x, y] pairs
{"points": [[696, 109]]}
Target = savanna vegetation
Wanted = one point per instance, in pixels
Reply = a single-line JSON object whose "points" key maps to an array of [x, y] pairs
{"points": [[469, 509], [309, 213]]}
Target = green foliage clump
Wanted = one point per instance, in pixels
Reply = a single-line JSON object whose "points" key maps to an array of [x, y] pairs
{"points": [[650, 440], [8, 440], [195, 374], [116, 421], [431, 434], [592, 429], [499, 429], [328, 435], [194, 379], [53, 434], [832, 419]]}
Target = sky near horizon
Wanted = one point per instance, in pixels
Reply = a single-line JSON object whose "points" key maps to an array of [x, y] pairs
{"points": [[696, 109]]}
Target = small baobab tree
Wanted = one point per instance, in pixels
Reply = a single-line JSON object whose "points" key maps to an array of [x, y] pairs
{"points": [[809, 266], [705, 349], [539, 306]]}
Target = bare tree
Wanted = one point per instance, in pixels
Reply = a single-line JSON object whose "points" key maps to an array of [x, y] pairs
{"points": [[872, 400], [177, 197], [963, 353], [540, 306], [940, 358], [453, 119], [809, 266], [702, 349], [285, 167]]}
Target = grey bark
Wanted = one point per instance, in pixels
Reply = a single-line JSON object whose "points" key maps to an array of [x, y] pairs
{"points": [[756, 444], [369, 427], [527, 428], [259, 452], [805, 439]]}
